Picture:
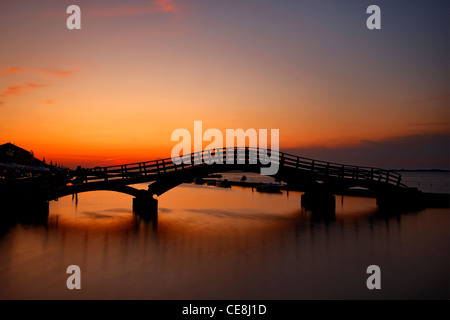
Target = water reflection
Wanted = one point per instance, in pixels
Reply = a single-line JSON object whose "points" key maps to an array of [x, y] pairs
{"points": [[211, 243]]}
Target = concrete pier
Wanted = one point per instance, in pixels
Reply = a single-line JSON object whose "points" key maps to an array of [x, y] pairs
{"points": [[319, 200], [146, 206], [401, 199]]}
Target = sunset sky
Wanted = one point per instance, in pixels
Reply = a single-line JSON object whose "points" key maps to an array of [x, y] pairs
{"points": [[115, 90]]}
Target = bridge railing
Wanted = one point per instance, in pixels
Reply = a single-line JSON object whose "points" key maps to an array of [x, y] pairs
{"points": [[242, 155]]}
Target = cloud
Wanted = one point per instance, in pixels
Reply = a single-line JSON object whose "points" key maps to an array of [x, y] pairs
{"points": [[367, 142], [20, 90], [427, 151], [434, 124], [113, 11], [48, 101], [165, 5], [57, 73], [45, 71], [432, 99], [10, 71]]}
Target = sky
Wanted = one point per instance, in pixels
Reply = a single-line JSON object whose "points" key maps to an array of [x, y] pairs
{"points": [[115, 90]]}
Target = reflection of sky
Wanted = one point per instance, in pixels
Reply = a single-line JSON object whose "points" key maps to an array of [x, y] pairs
{"points": [[210, 243], [138, 70]]}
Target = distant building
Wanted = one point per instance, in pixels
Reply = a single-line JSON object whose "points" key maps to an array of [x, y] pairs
{"points": [[17, 162], [13, 154]]}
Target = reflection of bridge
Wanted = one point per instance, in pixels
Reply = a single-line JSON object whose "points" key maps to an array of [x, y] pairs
{"points": [[320, 180]]}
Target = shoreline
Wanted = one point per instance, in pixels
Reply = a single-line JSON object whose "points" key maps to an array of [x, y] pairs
{"points": [[430, 200]]}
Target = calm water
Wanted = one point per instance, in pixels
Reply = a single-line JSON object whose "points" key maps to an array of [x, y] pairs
{"points": [[213, 243], [435, 182]]}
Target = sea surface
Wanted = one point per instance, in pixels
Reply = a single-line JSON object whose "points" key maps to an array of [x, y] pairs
{"points": [[216, 243]]}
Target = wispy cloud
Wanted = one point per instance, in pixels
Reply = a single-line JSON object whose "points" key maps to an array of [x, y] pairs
{"points": [[20, 89], [421, 151], [432, 124], [442, 97], [10, 71], [121, 10], [165, 5], [43, 71], [26, 87], [48, 101], [57, 72]]}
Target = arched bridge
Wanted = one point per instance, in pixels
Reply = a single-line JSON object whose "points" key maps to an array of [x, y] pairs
{"points": [[313, 176]]}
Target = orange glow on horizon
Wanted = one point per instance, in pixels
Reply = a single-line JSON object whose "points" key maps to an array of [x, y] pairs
{"points": [[114, 91]]}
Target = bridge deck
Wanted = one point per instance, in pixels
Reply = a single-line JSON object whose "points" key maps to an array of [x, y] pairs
{"points": [[232, 159]]}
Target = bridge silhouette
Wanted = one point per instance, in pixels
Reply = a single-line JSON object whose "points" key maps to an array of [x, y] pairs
{"points": [[319, 180]]}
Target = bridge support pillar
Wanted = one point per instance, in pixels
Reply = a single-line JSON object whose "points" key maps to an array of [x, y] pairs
{"points": [[146, 206], [320, 201], [401, 199]]}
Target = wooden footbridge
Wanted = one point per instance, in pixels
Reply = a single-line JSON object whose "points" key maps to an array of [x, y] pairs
{"points": [[319, 179]]}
